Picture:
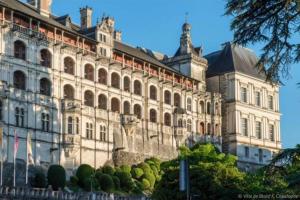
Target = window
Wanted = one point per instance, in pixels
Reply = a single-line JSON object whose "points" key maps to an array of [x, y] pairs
{"points": [[260, 155], [257, 98], [217, 129], [115, 105], [70, 125], [153, 115], [20, 50], [246, 149], [115, 80], [189, 104], [177, 101], [217, 109], [202, 128], [126, 109], [102, 133], [89, 131], [137, 87], [103, 51], [102, 38], [89, 98], [258, 129], [153, 93], [89, 72], [167, 97], [244, 127], [68, 92], [69, 65], [270, 102], [77, 125], [202, 110], [102, 102], [271, 132], [102, 76], [189, 125], [126, 84], [45, 122], [45, 87], [19, 80], [167, 119], [19, 116], [46, 58], [179, 123], [137, 109], [208, 129], [208, 108], [244, 95]]}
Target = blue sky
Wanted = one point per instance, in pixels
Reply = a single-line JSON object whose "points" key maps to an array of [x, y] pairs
{"points": [[156, 24]]}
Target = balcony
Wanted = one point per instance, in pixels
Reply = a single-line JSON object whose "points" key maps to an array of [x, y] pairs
{"points": [[70, 104], [71, 139], [207, 139]]}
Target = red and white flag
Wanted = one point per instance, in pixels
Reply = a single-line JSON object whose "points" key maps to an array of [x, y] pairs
{"points": [[16, 145]]}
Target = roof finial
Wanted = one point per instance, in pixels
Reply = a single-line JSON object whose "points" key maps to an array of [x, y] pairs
{"points": [[186, 16]]}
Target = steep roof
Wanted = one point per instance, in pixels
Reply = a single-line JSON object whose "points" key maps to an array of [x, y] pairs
{"points": [[233, 58]]}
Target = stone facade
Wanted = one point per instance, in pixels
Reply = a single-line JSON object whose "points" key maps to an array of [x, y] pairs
{"points": [[86, 97]]}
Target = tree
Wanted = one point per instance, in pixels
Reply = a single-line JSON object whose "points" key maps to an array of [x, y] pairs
{"points": [[56, 177], [106, 183], [84, 174], [273, 23]]}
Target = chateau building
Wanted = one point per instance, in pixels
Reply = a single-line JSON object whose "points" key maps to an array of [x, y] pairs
{"points": [[87, 97]]}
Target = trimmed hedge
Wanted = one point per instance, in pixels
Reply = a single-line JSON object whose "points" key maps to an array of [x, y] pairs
{"points": [[107, 169], [56, 177], [84, 172], [126, 168], [146, 184], [106, 183], [39, 180], [137, 173], [116, 182], [125, 181]]}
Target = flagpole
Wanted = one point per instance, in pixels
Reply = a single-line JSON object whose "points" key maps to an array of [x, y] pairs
{"points": [[27, 159], [15, 159], [1, 178]]}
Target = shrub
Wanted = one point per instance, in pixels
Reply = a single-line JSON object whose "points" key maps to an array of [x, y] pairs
{"points": [[146, 184], [126, 168], [106, 183], [107, 169], [137, 173], [98, 174], [125, 181], [74, 180], [150, 177], [145, 167], [39, 180], [84, 171], [116, 182], [56, 177]]}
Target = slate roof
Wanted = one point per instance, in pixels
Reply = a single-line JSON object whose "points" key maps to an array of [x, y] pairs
{"points": [[233, 58]]}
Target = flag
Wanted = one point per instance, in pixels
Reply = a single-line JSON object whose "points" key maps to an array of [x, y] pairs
{"points": [[16, 145], [30, 160]]}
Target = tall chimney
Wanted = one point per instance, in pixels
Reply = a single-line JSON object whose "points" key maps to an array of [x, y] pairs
{"points": [[44, 7], [86, 17]]}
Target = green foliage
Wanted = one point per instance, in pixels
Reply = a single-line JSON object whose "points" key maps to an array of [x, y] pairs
{"points": [[84, 172], [39, 180], [126, 168], [137, 173], [146, 184], [273, 23], [106, 183], [56, 177], [126, 182], [107, 169], [117, 183], [74, 180]]}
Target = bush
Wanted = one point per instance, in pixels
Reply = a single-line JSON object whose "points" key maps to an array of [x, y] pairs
{"points": [[107, 169], [39, 180], [98, 174], [56, 177], [150, 177], [74, 180], [137, 173], [116, 182], [84, 171], [145, 167], [125, 181], [126, 168], [146, 184], [106, 183]]}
